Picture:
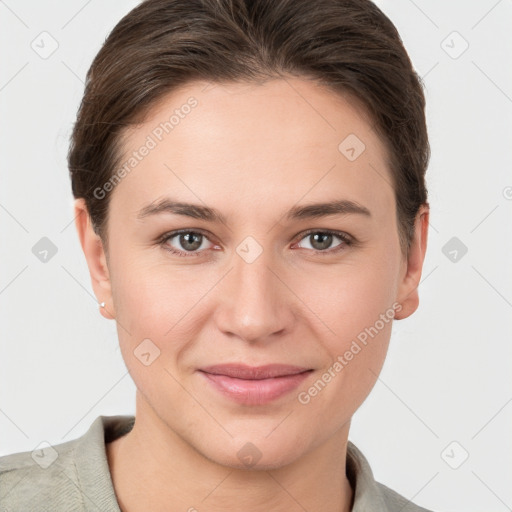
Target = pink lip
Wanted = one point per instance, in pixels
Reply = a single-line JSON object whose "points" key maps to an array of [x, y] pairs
{"points": [[255, 385]]}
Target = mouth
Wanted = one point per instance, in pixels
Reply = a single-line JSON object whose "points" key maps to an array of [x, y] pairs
{"points": [[255, 385]]}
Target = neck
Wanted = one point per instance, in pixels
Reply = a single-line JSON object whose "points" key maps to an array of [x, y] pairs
{"points": [[153, 468]]}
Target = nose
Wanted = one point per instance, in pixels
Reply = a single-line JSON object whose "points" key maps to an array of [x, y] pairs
{"points": [[255, 305]]}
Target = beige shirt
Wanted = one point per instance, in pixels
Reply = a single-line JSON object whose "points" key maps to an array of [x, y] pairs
{"points": [[75, 476]]}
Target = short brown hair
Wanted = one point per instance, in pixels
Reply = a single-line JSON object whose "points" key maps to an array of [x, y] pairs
{"points": [[348, 45]]}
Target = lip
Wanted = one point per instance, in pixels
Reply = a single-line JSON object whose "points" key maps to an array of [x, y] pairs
{"points": [[255, 385], [244, 371]]}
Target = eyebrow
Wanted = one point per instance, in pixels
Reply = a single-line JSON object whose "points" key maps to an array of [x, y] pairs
{"points": [[196, 211]]}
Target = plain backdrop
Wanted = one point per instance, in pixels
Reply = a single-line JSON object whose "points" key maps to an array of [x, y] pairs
{"points": [[436, 427]]}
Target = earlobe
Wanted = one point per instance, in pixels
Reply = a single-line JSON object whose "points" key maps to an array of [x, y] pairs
{"points": [[94, 253], [408, 289]]}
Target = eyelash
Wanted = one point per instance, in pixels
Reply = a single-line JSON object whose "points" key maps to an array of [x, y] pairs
{"points": [[346, 239]]}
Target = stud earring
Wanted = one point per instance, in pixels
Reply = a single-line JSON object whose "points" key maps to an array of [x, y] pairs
{"points": [[102, 305]]}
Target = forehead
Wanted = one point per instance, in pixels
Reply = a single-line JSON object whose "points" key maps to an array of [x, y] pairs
{"points": [[273, 142]]}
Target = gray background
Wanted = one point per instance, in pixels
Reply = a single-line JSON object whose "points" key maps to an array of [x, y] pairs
{"points": [[445, 390]]}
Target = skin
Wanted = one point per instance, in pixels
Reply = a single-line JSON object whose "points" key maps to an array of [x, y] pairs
{"points": [[252, 152]]}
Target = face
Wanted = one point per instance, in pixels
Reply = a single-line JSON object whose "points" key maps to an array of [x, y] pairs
{"points": [[255, 274]]}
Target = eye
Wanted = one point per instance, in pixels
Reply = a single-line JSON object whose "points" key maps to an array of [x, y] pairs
{"points": [[321, 240], [188, 242]]}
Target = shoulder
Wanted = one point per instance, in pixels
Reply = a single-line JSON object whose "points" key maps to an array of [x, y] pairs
{"points": [[42, 479], [68, 476], [370, 494], [395, 501]]}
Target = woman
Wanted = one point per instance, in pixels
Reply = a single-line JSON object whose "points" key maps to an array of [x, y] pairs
{"points": [[249, 183]]}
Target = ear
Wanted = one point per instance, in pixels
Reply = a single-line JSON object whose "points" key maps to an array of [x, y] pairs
{"points": [[408, 287], [96, 259]]}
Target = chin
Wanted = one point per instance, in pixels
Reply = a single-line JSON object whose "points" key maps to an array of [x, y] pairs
{"points": [[257, 454]]}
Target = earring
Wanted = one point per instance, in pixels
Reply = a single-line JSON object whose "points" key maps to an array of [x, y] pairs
{"points": [[105, 312]]}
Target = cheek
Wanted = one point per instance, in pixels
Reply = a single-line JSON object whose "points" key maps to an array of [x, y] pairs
{"points": [[350, 297], [149, 293], [161, 303], [355, 305], [356, 315]]}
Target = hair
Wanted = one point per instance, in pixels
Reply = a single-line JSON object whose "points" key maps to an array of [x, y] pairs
{"points": [[349, 46]]}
